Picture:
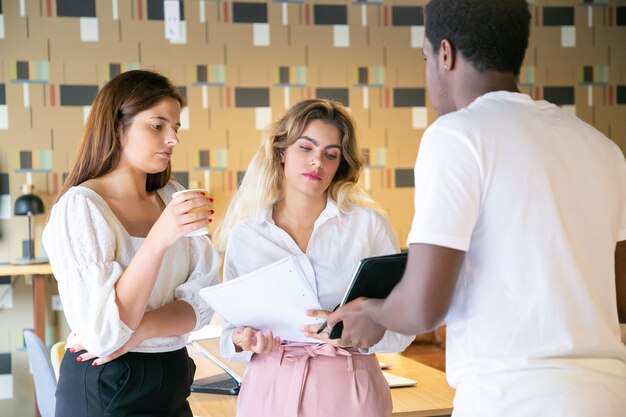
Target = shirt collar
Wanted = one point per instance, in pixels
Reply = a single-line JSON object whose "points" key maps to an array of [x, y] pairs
{"points": [[331, 210]]}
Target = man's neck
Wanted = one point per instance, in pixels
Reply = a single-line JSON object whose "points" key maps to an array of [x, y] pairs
{"points": [[475, 84]]}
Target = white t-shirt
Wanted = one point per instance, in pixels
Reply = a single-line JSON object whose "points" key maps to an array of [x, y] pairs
{"points": [[537, 200], [340, 239], [89, 249]]}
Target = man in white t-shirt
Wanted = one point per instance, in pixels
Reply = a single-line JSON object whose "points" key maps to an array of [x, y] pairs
{"points": [[520, 214]]}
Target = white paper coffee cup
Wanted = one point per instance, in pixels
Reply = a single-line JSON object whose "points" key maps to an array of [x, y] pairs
{"points": [[203, 230]]}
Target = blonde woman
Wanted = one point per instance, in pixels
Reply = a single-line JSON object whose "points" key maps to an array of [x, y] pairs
{"points": [[300, 197]]}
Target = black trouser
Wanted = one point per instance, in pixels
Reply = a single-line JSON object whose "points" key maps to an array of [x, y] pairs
{"points": [[135, 384]]}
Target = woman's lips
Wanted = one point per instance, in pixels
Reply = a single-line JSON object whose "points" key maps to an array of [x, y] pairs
{"points": [[312, 176]]}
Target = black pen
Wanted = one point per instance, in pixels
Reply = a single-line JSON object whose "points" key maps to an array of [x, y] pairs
{"points": [[323, 326]]}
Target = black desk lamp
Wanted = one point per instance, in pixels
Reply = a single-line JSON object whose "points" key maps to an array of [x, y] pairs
{"points": [[29, 205]]}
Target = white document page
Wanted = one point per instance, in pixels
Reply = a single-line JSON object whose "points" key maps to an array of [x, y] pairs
{"points": [[275, 297], [397, 381]]}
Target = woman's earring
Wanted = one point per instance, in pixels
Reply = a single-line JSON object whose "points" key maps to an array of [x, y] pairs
{"points": [[445, 67]]}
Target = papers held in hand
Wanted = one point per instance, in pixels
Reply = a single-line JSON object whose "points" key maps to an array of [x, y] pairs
{"points": [[275, 297], [374, 278]]}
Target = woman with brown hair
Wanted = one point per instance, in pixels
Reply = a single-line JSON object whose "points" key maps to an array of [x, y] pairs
{"points": [[128, 282], [300, 197]]}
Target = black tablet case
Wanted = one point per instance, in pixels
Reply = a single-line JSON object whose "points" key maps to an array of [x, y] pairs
{"points": [[374, 278]]}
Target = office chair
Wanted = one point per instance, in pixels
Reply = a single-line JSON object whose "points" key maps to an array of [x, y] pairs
{"points": [[56, 356], [43, 374]]}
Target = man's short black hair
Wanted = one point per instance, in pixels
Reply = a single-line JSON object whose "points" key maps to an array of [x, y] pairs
{"points": [[490, 34]]}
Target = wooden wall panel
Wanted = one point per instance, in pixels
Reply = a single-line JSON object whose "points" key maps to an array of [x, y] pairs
{"points": [[43, 40]]}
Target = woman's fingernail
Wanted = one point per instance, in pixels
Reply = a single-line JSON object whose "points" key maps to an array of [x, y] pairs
{"points": [[94, 363], [79, 359], [210, 199], [210, 220], [72, 350], [211, 211], [203, 194]]}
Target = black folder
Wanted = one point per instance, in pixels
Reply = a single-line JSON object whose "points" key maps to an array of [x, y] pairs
{"points": [[374, 277]]}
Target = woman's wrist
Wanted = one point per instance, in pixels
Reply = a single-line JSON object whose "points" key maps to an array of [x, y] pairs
{"points": [[155, 245]]}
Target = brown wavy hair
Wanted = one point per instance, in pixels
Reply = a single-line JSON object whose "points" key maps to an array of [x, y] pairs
{"points": [[112, 111]]}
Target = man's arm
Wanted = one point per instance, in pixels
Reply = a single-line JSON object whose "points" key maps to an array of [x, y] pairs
{"points": [[620, 279], [418, 304]]}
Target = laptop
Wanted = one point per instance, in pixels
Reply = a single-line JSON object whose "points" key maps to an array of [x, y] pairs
{"points": [[226, 383], [229, 382]]}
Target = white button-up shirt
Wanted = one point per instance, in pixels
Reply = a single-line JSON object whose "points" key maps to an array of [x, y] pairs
{"points": [[340, 239]]}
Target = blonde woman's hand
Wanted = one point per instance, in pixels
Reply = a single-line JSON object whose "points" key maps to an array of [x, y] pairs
{"points": [[186, 213], [253, 340], [310, 330]]}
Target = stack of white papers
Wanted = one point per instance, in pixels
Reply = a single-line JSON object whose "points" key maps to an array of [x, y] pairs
{"points": [[275, 297], [207, 332]]}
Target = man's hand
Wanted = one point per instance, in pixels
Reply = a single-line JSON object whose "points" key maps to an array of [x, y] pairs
{"points": [[359, 330]]}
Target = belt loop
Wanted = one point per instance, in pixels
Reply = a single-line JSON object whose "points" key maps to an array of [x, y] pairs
{"points": [[350, 363]]}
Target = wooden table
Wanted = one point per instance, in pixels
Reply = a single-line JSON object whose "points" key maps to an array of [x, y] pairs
{"points": [[432, 396], [39, 273]]}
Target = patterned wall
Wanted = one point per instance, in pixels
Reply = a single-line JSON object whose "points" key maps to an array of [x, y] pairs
{"points": [[240, 64]]}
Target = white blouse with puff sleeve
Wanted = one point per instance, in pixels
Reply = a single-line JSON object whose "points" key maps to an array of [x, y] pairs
{"points": [[340, 239], [89, 249]]}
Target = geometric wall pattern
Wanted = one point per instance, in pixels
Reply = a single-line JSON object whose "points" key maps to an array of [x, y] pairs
{"points": [[240, 64]]}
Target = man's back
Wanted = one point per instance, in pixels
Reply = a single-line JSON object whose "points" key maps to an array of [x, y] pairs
{"points": [[518, 209], [541, 196]]}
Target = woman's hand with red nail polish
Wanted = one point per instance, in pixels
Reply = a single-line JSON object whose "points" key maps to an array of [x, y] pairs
{"points": [[140, 334], [186, 213], [77, 347], [85, 357]]}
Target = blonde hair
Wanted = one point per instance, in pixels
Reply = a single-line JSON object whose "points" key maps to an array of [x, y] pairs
{"points": [[263, 182]]}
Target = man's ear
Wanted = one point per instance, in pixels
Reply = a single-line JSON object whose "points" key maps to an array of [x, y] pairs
{"points": [[446, 55]]}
